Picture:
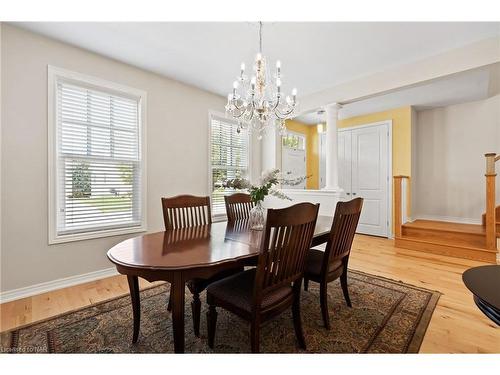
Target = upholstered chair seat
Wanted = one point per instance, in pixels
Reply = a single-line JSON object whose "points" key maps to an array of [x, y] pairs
{"points": [[238, 290], [314, 262]]}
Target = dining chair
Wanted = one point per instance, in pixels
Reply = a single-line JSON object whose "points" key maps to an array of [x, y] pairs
{"points": [[238, 206], [326, 266], [188, 211], [258, 294]]}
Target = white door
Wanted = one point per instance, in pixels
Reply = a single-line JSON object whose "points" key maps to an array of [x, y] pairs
{"points": [[294, 166], [364, 172]]}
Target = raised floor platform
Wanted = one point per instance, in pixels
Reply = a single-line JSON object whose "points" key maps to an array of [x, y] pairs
{"points": [[452, 239]]}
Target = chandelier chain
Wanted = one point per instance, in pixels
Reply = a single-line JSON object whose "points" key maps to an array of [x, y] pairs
{"points": [[260, 36]]}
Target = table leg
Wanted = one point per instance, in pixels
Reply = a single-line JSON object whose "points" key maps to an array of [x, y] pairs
{"points": [[133, 284], [177, 292]]}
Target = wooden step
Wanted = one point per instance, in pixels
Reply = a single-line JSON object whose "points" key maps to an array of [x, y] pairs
{"points": [[469, 235], [498, 228], [497, 214], [451, 250], [452, 239]]}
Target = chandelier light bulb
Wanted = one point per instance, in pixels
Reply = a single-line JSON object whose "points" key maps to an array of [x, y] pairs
{"points": [[258, 57], [278, 65], [242, 67], [235, 85]]}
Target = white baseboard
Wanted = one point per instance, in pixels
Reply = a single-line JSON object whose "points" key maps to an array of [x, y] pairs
{"points": [[48, 286], [450, 219]]}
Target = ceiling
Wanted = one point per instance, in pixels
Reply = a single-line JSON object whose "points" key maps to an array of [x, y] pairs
{"points": [[458, 88], [314, 56]]}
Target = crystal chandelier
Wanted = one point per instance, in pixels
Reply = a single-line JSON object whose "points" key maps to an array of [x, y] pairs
{"points": [[258, 103]]}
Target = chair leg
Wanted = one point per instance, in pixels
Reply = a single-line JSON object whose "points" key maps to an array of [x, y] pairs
{"points": [[324, 304], [211, 324], [255, 336], [306, 285], [196, 311], [169, 307], [297, 321], [343, 283]]}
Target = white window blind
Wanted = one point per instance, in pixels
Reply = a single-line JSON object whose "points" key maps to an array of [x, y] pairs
{"points": [[98, 160], [230, 158]]}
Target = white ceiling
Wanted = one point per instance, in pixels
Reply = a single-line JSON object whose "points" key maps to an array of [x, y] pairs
{"points": [[314, 56], [457, 88]]}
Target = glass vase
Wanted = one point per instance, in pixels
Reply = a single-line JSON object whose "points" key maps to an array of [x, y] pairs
{"points": [[257, 216]]}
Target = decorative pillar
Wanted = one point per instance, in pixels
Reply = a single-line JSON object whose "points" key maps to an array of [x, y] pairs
{"points": [[270, 149], [332, 163]]}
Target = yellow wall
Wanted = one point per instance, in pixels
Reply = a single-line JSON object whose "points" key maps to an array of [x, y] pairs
{"points": [[312, 150], [401, 139], [401, 135]]}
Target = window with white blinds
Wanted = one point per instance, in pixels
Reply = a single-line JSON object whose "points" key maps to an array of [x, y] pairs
{"points": [[230, 158], [97, 161]]}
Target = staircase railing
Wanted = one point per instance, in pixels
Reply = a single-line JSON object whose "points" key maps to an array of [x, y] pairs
{"points": [[400, 203], [491, 221]]}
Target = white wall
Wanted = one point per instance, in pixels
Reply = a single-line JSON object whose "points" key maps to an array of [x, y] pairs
{"points": [[450, 166], [177, 149]]}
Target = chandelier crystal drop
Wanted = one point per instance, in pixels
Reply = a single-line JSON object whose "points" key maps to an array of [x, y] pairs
{"points": [[259, 102]]}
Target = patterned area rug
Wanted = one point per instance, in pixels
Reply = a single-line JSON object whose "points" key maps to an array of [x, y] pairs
{"points": [[387, 317]]}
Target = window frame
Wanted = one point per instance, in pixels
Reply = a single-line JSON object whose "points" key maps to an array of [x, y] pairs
{"points": [[54, 75], [211, 115]]}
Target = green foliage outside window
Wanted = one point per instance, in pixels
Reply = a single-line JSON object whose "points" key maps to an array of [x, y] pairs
{"points": [[81, 181]]}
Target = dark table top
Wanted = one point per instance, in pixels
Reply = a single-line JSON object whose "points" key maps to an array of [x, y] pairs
{"points": [[484, 283], [202, 246]]}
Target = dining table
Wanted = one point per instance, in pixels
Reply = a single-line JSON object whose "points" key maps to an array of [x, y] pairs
{"points": [[183, 254]]}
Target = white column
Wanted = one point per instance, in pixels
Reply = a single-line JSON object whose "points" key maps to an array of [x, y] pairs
{"points": [[270, 149], [332, 163]]}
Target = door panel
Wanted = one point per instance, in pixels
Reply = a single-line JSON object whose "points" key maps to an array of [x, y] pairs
{"points": [[364, 172], [370, 177]]}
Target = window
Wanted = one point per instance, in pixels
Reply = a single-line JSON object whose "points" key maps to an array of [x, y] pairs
{"points": [[294, 140], [96, 160], [229, 158]]}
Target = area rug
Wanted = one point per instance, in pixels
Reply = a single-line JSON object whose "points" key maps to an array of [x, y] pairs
{"points": [[387, 316]]}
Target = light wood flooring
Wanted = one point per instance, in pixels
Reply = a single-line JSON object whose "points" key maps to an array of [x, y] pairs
{"points": [[457, 326]]}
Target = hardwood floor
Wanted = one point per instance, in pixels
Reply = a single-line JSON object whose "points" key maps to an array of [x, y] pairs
{"points": [[457, 326]]}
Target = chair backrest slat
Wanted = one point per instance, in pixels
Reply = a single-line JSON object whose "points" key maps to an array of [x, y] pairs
{"points": [[184, 211], [286, 239], [345, 222], [238, 206]]}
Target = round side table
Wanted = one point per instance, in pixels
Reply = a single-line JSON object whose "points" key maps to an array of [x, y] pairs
{"points": [[484, 283]]}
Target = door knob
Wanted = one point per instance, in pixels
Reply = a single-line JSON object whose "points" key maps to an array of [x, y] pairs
{"points": [[348, 193], [353, 193]]}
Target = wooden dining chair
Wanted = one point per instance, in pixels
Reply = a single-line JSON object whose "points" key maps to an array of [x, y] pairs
{"points": [[261, 293], [326, 266], [187, 211], [238, 206]]}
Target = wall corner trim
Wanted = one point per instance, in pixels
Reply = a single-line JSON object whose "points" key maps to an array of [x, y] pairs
{"points": [[49, 286]]}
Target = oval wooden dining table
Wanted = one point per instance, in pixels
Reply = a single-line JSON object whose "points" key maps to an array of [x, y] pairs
{"points": [[180, 255]]}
